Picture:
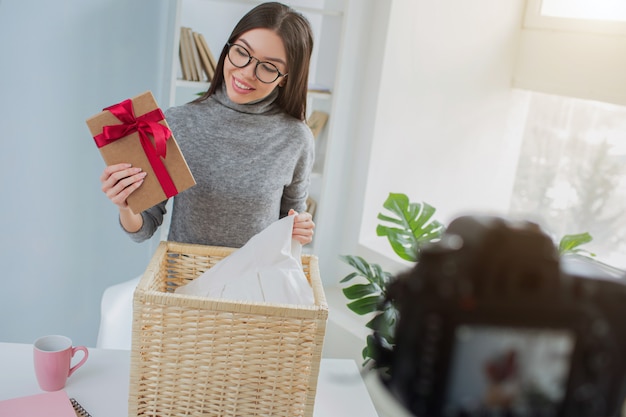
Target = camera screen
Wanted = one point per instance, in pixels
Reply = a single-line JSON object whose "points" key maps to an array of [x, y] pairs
{"points": [[522, 371]]}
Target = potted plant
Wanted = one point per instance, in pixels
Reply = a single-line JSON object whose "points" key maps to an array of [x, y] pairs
{"points": [[407, 227]]}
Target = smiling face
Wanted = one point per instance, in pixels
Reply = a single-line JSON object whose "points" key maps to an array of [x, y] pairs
{"points": [[242, 85]]}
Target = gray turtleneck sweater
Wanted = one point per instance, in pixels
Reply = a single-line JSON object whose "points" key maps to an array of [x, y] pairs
{"points": [[251, 163]]}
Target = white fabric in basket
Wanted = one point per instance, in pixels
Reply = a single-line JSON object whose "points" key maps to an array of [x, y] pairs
{"points": [[266, 269]]}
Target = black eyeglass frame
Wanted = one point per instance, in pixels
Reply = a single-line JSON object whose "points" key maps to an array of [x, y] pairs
{"points": [[250, 58]]}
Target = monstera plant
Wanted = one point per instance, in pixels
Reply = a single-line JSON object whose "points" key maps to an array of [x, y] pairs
{"points": [[407, 226]]}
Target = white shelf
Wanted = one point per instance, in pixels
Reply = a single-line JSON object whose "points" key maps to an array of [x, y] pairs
{"points": [[304, 6]]}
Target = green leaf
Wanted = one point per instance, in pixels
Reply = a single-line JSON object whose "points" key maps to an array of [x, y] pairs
{"points": [[350, 276], [388, 219], [357, 263], [372, 273], [396, 203], [381, 278], [403, 245], [371, 344], [411, 226], [570, 243], [385, 324], [367, 355], [364, 305], [360, 290]]}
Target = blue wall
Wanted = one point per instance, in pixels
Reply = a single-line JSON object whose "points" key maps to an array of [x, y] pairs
{"points": [[60, 243]]}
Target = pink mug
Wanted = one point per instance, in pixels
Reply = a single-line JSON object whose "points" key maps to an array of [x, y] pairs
{"points": [[53, 361]]}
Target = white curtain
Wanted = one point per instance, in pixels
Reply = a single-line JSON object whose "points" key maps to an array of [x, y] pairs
{"points": [[571, 175]]}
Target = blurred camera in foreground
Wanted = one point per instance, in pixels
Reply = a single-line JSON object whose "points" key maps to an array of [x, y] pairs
{"points": [[494, 323]]}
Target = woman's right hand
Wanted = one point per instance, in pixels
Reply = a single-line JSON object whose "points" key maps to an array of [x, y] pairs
{"points": [[119, 181]]}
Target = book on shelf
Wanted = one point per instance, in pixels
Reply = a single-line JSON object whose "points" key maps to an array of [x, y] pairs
{"points": [[184, 53], [196, 56], [196, 59], [209, 53], [203, 52], [316, 122], [190, 46]]}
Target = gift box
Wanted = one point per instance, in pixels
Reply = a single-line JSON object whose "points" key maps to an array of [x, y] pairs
{"points": [[135, 131]]}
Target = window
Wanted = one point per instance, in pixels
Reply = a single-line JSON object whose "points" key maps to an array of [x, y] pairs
{"points": [[585, 9], [571, 172], [590, 16]]}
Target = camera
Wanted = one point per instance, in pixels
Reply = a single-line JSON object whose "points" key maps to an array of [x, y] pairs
{"points": [[493, 322]]}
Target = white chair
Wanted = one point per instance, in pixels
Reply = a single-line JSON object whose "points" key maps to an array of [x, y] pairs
{"points": [[116, 306], [116, 316]]}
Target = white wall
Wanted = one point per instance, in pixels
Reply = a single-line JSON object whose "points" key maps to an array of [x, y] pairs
{"points": [[442, 111], [365, 26], [60, 244]]}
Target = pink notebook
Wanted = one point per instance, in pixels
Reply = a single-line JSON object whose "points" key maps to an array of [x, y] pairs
{"points": [[48, 404]]}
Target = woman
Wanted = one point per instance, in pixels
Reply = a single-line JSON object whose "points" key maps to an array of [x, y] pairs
{"points": [[245, 141]]}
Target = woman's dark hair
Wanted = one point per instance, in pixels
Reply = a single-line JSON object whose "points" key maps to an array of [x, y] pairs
{"points": [[296, 34]]}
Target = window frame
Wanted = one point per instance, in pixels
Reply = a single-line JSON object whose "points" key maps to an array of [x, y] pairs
{"points": [[533, 19]]}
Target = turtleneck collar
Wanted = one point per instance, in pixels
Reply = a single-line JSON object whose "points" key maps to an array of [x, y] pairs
{"points": [[256, 107]]}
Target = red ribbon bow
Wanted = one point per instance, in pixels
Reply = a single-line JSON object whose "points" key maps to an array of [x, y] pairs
{"points": [[146, 125]]}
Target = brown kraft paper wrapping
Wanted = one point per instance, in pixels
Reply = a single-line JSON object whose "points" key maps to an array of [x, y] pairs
{"points": [[129, 149]]}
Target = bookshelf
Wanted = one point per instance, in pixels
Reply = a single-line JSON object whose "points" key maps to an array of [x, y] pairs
{"points": [[214, 19]]}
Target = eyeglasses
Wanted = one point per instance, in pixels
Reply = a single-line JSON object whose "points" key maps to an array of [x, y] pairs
{"points": [[266, 72]]}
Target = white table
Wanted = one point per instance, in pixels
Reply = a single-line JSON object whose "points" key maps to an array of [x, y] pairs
{"points": [[101, 384]]}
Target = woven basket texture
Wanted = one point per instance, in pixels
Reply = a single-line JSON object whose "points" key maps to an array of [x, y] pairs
{"points": [[197, 356]]}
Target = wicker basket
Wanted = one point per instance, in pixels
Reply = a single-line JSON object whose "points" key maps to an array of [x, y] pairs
{"points": [[195, 356]]}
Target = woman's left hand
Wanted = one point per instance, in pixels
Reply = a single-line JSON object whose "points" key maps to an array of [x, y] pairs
{"points": [[302, 227]]}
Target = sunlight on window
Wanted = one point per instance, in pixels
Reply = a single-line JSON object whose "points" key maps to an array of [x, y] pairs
{"points": [[563, 194], [585, 9], [571, 175]]}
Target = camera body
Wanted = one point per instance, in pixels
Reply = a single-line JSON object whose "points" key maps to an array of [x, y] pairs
{"points": [[492, 324]]}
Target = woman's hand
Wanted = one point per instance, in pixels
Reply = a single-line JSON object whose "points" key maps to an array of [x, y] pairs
{"points": [[302, 227], [119, 181]]}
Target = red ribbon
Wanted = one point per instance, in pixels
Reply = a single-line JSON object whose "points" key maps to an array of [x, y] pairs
{"points": [[146, 125]]}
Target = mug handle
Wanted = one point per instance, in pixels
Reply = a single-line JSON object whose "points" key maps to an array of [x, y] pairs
{"points": [[82, 361]]}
